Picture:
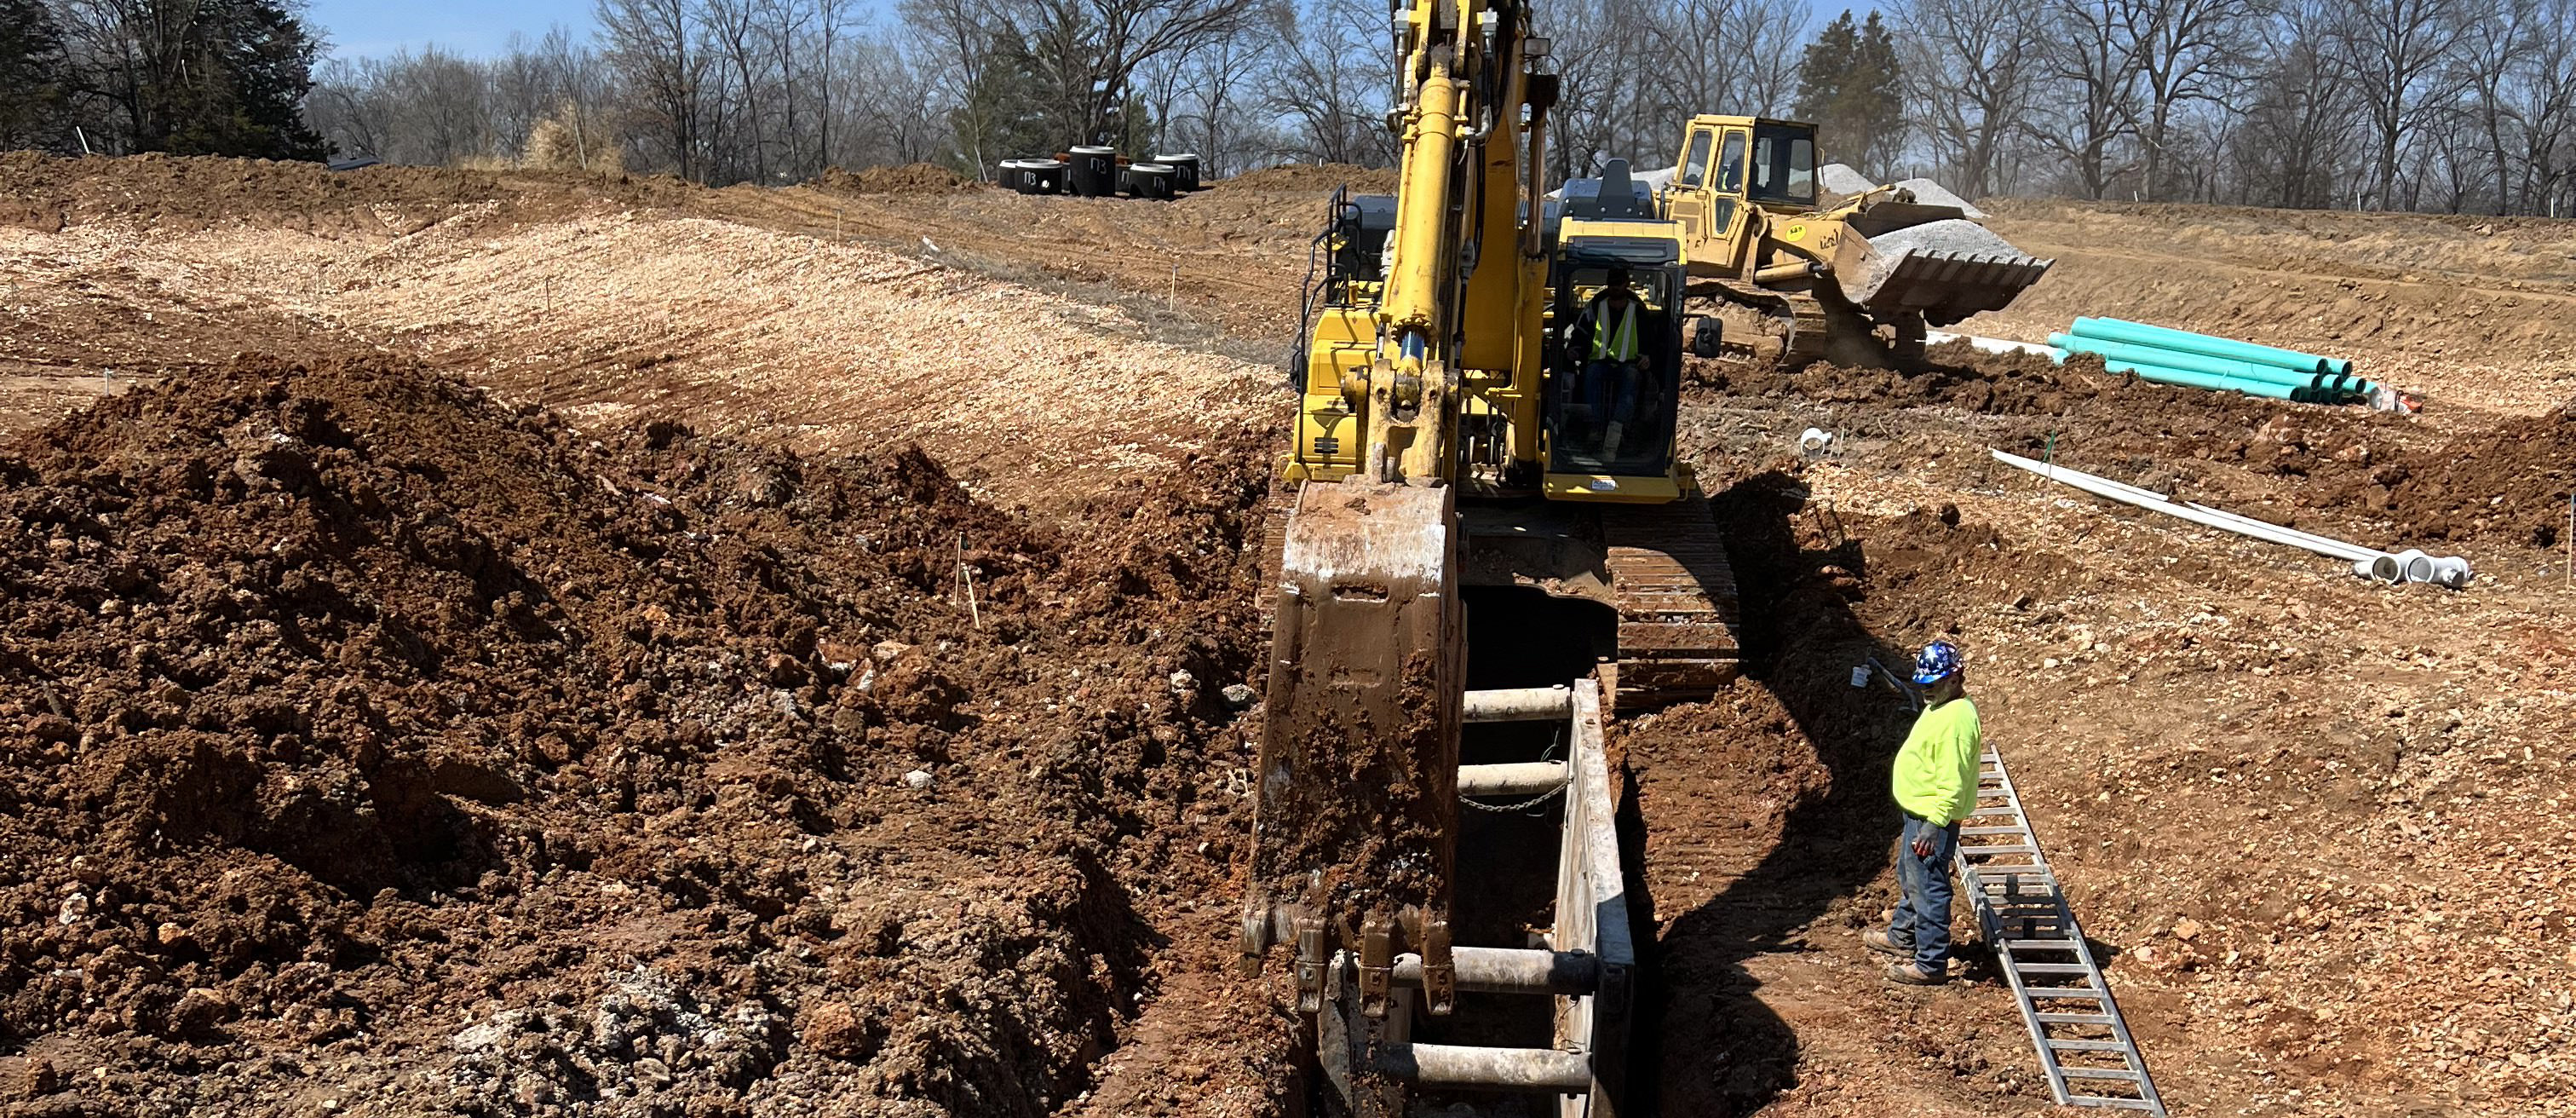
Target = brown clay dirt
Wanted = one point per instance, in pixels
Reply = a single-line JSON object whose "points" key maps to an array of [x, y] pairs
{"points": [[911, 178], [486, 768], [419, 757]]}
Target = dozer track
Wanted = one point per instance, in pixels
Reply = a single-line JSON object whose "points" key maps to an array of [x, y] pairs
{"points": [[1786, 328], [1795, 328], [1679, 628]]}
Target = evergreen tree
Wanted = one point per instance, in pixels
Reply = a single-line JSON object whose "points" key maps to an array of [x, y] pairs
{"points": [[199, 77], [1849, 87], [32, 91], [246, 95]]}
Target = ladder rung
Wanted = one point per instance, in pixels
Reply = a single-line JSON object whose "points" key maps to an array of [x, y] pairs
{"points": [[2051, 968], [2116, 1102], [2039, 945], [2074, 1018], [2086, 1045], [2097, 1073], [1992, 850], [1994, 830]]}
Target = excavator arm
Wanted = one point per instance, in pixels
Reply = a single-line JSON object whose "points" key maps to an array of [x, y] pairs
{"points": [[1355, 838]]}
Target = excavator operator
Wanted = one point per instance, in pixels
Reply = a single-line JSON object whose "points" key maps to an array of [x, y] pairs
{"points": [[1614, 367]]}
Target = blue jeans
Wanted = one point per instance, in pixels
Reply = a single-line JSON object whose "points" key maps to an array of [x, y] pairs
{"points": [[1923, 913]]}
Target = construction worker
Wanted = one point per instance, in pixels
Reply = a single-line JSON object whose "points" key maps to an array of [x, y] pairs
{"points": [[1936, 786], [1611, 372]]}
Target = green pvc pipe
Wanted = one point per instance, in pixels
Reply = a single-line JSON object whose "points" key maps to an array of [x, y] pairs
{"points": [[2199, 363], [2188, 379], [2164, 358], [2166, 337]]}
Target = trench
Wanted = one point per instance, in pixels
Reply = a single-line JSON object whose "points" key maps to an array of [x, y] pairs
{"points": [[1507, 850]]}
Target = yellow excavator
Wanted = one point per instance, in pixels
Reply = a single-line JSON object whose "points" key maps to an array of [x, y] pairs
{"points": [[1482, 488], [1786, 270]]}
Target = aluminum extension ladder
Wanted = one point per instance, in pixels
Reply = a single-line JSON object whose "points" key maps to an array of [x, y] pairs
{"points": [[2084, 1046]]}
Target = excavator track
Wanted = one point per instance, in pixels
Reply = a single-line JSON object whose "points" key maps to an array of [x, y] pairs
{"points": [[1680, 634]]}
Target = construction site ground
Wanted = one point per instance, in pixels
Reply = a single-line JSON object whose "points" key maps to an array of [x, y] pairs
{"points": [[532, 644]]}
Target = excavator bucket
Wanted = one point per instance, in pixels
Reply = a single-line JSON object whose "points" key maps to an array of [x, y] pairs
{"points": [[1355, 837]]}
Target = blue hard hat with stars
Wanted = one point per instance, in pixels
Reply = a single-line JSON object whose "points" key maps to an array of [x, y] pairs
{"points": [[1937, 660]]}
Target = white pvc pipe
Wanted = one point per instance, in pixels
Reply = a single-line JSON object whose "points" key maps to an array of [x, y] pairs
{"points": [[2451, 571], [2444, 570], [1994, 345], [2368, 562], [2130, 495]]}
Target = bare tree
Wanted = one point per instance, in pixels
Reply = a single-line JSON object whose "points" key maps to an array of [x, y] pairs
{"points": [[958, 36], [2092, 79], [1334, 102], [2305, 116], [2542, 95], [2183, 50], [2400, 54], [1971, 70], [1217, 102], [652, 46]]}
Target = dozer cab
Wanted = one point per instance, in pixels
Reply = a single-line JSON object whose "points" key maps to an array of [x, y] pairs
{"points": [[1797, 273]]}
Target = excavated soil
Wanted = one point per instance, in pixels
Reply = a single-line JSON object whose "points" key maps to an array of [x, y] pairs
{"points": [[171, 193], [419, 757], [1312, 178], [372, 737], [911, 178]]}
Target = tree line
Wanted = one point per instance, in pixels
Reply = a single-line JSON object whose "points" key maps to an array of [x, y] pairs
{"points": [[2446, 105]]}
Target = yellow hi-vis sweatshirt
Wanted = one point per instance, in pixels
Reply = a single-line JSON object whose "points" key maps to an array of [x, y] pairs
{"points": [[1936, 768]]}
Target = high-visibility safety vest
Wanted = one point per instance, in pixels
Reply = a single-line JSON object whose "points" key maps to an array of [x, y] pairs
{"points": [[1620, 342]]}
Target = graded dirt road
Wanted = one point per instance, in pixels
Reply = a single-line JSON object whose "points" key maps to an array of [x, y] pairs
{"points": [[546, 746]]}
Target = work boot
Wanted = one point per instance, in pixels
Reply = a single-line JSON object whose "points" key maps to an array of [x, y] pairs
{"points": [[1610, 440], [1913, 974], [1877, 939]]}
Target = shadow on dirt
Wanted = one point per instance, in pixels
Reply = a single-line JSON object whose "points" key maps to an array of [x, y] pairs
{"points": [[1707, 1045]]}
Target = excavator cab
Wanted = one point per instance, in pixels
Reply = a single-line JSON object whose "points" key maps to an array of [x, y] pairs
{"points": [[1610, 422], [1611, 398]]}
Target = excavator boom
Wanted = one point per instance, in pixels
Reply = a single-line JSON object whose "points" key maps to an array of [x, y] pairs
{"points": [[1455, 439]]}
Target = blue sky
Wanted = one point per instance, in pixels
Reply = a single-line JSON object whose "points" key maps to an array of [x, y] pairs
{"points": [[358, 28]]}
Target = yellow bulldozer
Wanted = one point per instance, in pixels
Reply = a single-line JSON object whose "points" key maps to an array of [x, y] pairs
{"points": [[1485, 545], [1784, 269]]}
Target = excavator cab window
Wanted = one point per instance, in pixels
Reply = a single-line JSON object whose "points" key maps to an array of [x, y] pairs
{"points": [[1695, 161], [1784, 164]]}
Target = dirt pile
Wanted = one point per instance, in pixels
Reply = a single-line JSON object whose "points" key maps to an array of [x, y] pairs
{"points": [[911, 178], [470, 766], [51, 193], [2510, 483], [1317, 177]]}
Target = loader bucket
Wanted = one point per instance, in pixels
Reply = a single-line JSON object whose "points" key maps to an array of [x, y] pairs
{"points": [[1945, 270]]}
